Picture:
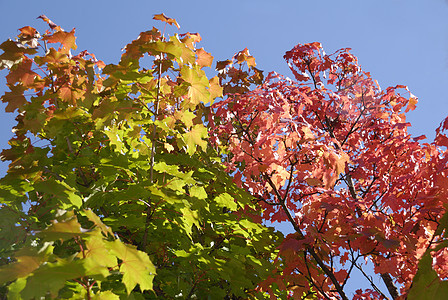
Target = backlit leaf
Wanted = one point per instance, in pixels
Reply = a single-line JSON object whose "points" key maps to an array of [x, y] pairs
{"points": [[51, 278], [66, 39], [198, 90], [204, 58], [136, 266], [196, 137], [225, 200], [163, 18]]}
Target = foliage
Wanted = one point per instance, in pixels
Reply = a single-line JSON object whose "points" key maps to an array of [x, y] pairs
{"points": [[113, 190], [330, 154], [127, 181]]}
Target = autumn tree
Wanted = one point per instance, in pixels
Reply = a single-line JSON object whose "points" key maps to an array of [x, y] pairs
{"points": [[112, 189], [130, 180], [330, 153]]}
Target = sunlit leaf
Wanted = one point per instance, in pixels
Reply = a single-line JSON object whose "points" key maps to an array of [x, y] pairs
{"points": [[195, 137], [135, 266], [163, 18]]}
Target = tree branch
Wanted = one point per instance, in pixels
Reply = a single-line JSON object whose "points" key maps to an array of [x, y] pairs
{"points": [[390, 285]]}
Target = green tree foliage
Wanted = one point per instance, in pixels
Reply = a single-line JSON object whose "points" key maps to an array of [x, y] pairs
{"points": [[113, 190]]}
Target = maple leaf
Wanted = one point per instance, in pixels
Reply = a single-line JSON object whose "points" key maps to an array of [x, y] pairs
{"points": [[204, 58], [28, 31], [68, 94], [411, 104], [190, 39], [187, 55], [22, 73], [53, 56], [163, 18], [221, 65], [225, 200], [244, 56], [97, 222], [198, 89], [195, 137], [51, 278], [427, 283], [23, 267], [13, 53], [135, 266], [14, 98], [98, 258], [66, 39], [49, 22], [215, 89]]}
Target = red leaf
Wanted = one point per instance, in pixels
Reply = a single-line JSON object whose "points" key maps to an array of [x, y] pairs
{"points": [[442, 140]]}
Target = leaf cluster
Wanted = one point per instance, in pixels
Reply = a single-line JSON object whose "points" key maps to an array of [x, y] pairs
{"points": [[113, 189]]}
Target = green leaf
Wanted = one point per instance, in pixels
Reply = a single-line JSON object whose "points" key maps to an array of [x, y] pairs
{"points": [[186, 117], [15, 288], [10, 232], [225, 200], [64, 230], [164, 47], [97, 256], [61, 190], [106, 295], [187, 56], [198, 192], [136, 266], [195, 137], [51, 277], [98, 223], [28, 259], [198, 91], [23, 267], [190, 217], [426, 283]]}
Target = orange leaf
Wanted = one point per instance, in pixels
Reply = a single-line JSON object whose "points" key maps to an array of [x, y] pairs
{"points": [[67, 39], [68, 95], [22, 74], [194, 36], [215, 89], [411, 104], [28, 31], [244, 56], [53, 56], [204, 58], [163, 18], [49, 22]]}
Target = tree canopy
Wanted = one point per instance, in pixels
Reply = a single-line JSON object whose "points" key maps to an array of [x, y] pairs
{"points": [[146, 179]]}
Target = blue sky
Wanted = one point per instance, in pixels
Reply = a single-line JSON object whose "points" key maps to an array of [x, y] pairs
{"points": [[398, 41]]}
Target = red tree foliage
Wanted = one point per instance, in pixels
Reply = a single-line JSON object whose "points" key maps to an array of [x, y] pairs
{"points": [[330, 153]]}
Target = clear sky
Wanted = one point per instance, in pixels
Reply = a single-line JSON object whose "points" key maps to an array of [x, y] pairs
{"points": [[397, 41]]}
